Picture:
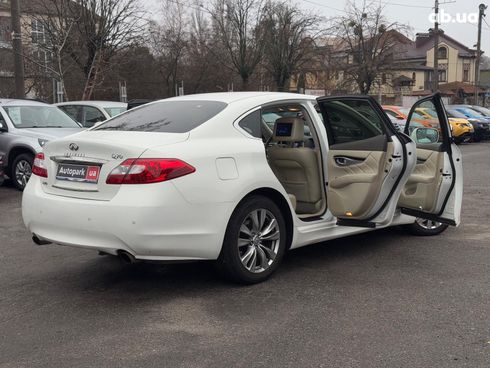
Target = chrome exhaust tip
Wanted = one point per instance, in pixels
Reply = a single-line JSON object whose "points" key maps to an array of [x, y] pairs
{"points": [[127, 257]]}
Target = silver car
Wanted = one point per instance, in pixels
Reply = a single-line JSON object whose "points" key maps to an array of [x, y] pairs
{"points": [[25, 126]]}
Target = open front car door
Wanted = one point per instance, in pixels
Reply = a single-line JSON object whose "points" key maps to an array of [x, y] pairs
{"points": [[368, 162], [434, 191]]}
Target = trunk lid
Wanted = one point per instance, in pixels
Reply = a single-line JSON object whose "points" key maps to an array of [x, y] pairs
{"points": [[104, 150]]}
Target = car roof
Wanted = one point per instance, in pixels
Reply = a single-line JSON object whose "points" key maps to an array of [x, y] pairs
{"points": [[20, 102], [231, 97], [94, 103]]}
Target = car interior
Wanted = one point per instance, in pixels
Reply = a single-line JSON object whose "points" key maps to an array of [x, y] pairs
{"points": [[360, 157], [424, 185], [359, 160], [293, 153]]}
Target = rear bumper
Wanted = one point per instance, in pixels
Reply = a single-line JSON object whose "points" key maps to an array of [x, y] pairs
{"points": [[151, 223]]}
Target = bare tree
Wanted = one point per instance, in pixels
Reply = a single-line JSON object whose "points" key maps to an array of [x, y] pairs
{"points": [[104, 28], [201, 65], [56, 24], [366, 43], [169, 40], [290, 36], [239, 28]]}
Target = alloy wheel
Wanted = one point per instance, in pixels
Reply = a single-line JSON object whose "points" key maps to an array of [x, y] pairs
{"points": [[428, 224], [258, 240], [23, 171]]}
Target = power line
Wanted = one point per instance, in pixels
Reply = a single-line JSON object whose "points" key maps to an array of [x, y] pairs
{"points": [[486, 24], [406, 5], [325, 6]]}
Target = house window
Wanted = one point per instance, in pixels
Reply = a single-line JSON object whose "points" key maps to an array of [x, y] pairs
{"points": [[38, 35], [466, 72], [443, 75], [5, 33], [42, 59], [442, 52], [442, 72]]}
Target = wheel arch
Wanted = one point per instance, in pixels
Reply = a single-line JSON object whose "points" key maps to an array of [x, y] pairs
{"points": [[283, 205], [16, 151]]}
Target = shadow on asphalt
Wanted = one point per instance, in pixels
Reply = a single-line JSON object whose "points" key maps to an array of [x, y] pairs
{"points": [[109, 274]]}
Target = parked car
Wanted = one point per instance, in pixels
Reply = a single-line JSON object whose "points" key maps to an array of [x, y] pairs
{"points": [[25, 127], [401, 113], [138, 102], [89, 113], [481, 123], [203, 177], [462, 128], [2, 170], [482, 110], [399, 124]]}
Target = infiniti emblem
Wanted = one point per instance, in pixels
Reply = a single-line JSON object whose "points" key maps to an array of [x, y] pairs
{"points": [[73, 147]]}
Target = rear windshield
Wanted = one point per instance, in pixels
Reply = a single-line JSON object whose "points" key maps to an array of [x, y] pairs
{"points": [[165, 116]]}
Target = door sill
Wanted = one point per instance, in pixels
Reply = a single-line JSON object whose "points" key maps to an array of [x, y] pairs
{"points": [[356, 223]]}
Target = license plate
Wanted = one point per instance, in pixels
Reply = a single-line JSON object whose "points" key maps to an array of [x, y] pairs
{"points": [[79, 173]]}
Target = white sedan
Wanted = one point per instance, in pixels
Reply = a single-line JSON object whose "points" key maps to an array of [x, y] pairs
{"points": [[206, 177], [90, 113]]}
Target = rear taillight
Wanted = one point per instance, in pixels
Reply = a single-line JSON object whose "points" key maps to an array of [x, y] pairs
{"points": [[39, 167], [148, 170]]}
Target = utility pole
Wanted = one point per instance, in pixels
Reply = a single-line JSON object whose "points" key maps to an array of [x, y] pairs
{"points": [[435, 84], [17, 48], [482, 8]]}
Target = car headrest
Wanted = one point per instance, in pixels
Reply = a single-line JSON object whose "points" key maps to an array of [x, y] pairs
{"points": [[289, 129]]}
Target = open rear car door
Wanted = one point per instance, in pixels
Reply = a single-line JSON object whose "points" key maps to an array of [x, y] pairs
{"points": [[368, 161], [434, 190]]}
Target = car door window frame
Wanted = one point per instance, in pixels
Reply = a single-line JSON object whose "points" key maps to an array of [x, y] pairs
{"points": [[387, 126], [445, 146], [447, 140]]}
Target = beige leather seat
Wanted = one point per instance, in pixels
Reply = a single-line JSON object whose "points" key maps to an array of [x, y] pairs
{"points": [[296, 166]]}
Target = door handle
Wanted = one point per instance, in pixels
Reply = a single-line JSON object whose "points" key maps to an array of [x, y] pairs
{"points": [[347, 161]]}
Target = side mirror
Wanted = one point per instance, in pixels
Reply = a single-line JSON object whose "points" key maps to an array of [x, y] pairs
{"points": [[3, 126], [425, 135]]}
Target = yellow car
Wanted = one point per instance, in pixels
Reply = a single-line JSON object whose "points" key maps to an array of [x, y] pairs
{"points": [[461, 128]]}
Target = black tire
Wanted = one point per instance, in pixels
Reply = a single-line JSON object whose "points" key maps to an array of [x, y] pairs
{"points": [[425, 230], [229, 263], [27, 159]]}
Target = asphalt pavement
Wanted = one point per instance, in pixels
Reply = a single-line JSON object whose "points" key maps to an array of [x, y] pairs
{"points": [[382, 299]]}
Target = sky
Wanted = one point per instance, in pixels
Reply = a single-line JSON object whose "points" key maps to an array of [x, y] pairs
{"points": [[414, 13]]}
